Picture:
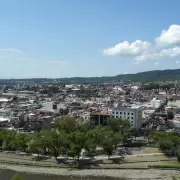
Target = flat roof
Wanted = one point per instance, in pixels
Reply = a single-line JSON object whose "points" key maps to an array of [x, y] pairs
{"points": [[100, 113], [2, 119]]}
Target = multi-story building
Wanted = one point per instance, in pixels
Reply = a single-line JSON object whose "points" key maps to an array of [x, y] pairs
{"points": [[132, 113], [99, 118]]}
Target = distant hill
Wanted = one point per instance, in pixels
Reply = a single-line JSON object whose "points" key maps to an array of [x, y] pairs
{"points": [[156, 75]]}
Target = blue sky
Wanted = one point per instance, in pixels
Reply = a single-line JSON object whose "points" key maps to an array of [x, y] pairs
{"points": [[65, 38]]}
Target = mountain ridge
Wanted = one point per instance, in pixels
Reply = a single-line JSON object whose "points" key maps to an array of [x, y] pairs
{"points": [[146, 76]]}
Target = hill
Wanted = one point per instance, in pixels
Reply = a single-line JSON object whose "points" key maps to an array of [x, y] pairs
{"points": [[156, 75]]}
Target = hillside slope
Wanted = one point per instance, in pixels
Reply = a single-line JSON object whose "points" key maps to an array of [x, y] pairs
{"points": [[156, 75]]}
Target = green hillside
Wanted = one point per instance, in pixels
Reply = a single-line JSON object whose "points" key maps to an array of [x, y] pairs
{"points": [[157, 75]]}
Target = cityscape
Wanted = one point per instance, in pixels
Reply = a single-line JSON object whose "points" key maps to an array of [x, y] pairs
{"points": [[108, 125], [89, 90]]}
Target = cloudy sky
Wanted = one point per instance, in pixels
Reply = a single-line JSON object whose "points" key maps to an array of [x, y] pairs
{"points": [[65, 38]]}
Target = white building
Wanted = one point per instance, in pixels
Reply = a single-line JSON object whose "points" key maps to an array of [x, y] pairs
{"points": [[132, 113], [156, 103], [147, 113]]}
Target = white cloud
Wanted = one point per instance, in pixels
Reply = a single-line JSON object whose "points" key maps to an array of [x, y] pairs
{"points": [[144, 50], [126, 48], [170, 52], [170, 36], [10, 50]]}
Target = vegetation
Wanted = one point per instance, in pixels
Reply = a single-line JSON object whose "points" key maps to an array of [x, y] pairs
{"points": [[69, 137], [17, 177], [156, 75], [168, 143]]}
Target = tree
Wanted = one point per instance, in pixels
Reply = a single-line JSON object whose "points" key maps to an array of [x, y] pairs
{"points": [[22, 140], [36, 145], [166, 146], [106, 140], [77, 143], [117, 139], [134, 132], [170, 115], [49, 141], [168, 143], [117, 125], [178, 153], [17, 177], [66, 123], [9, 142], [1, 138], [107, 145], [59, 142]]}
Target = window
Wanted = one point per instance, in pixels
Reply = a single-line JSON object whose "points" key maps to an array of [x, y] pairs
{"points": [[116, 116], [124, 113], [113, 112], [132, 114], [116, 112], [132, 118], [128, 117], [128, 113], [54, 106], [120, 112]]}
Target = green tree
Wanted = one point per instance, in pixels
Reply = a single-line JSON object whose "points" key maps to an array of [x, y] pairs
{"points": [[58, 143], [51, 141], [22, 141], [115, 124], [9, 142], [117, 139], [66, 123], [134, 132], [178, 153], [170, 115], [1, 138], [108, 146], [119, 125], [36, 145], [77, 143], [166, 146], [17, 177], [106, 140]]}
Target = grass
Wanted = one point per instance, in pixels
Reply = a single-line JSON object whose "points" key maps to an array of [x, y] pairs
{"points": [[173, 165], [162, 162], [145, 165], [147, 150], [145, 158], [140, 165]]}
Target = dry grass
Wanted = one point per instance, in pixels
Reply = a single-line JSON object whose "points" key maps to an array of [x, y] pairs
{"points": [[145, 158], [147, 150]]}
